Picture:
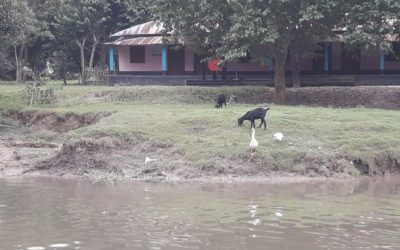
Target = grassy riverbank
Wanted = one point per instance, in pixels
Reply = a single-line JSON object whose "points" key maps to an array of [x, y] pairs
{"points": [[191, 139]]}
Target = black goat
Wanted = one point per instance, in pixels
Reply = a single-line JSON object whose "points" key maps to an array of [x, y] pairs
{"points": [[221, 100], [258, 113]]}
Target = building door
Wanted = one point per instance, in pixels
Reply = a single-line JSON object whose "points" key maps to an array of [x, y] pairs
{"points": [[351, 63], [176, 60]]}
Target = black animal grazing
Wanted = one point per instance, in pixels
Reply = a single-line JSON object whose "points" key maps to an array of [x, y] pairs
{"points": [[258, 113], [221, 100]]}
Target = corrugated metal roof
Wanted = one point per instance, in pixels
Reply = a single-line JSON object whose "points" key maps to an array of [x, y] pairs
{"points": [[144, 29], [392, 38], [152, 40]]}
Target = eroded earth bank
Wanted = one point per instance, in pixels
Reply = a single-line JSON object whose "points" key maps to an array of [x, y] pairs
{"points": [[46, 142]]}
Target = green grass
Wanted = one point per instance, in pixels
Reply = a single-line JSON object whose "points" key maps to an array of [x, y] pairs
{"points": [[185, 116], [11, 96]]}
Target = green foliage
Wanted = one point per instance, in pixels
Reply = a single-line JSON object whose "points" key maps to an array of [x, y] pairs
{"points": [[17, 23], [50, 30], [200, 23], [369, 22], [39, 91], [78, 18], [269, 28], [18, 26]]}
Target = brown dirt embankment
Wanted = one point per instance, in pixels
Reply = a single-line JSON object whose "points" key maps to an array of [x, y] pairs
{"points": [[52, 121], [104, 156], [385, 97]]}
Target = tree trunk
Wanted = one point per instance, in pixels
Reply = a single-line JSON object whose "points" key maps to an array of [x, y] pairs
{"points": [[18, 62], [64, 64], [25, 60], [17, 79], [81, 46], [279, 73], [103, 56], [95, 43], [33, 92], [295, 66]]}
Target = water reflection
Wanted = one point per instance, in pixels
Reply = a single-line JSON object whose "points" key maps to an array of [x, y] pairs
{"points": [[44, 213]]}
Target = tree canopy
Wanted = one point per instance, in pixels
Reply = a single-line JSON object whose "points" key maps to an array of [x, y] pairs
{"points": [[70, 32], [233, 29]]}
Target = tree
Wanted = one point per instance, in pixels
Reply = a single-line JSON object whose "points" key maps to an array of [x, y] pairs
{"points": [[42, 45], [370, 22], [122, 14], [18, 26], [274, 26], [262, 28], [200, 24], [82, 20], [91, 22]]}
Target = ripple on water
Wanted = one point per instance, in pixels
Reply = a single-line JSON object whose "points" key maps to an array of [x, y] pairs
{"points": [[35, 248], [197, 220], [59, 245]]}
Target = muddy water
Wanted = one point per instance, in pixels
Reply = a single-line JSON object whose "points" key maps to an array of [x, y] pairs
{"points": [[44, 213]]}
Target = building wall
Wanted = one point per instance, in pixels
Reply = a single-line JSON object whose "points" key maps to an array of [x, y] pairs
{"points": [[336, 60], [305, 64], [252, 66], [369, 62], [389, 65], [189, 60], [152, 59], [372, 62]]}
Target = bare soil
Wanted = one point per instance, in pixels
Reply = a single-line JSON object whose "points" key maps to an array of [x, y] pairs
{"points": [[41, 120], [108, 157]]}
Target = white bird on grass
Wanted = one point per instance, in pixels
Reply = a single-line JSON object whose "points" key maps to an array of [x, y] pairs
{"points": [[147, 160], [253, 143], [278, 136]]}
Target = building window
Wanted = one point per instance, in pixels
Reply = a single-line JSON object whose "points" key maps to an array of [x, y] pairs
{"points": [[395, 55], [137, 54]]}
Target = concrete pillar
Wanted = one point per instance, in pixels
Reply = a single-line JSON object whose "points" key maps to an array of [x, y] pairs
{"points": [[111, 64], [382, 63], [164, 65], [270, 64], [326, 57]]}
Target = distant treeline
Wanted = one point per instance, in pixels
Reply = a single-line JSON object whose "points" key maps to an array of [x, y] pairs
{"points": [[67, 33], [70, 33]]}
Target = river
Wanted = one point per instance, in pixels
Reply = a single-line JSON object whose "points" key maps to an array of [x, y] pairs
{"points": [[50, 213]]}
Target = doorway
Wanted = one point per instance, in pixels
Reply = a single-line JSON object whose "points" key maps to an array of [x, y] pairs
{"points": [[351, 61], [176, 60]]}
